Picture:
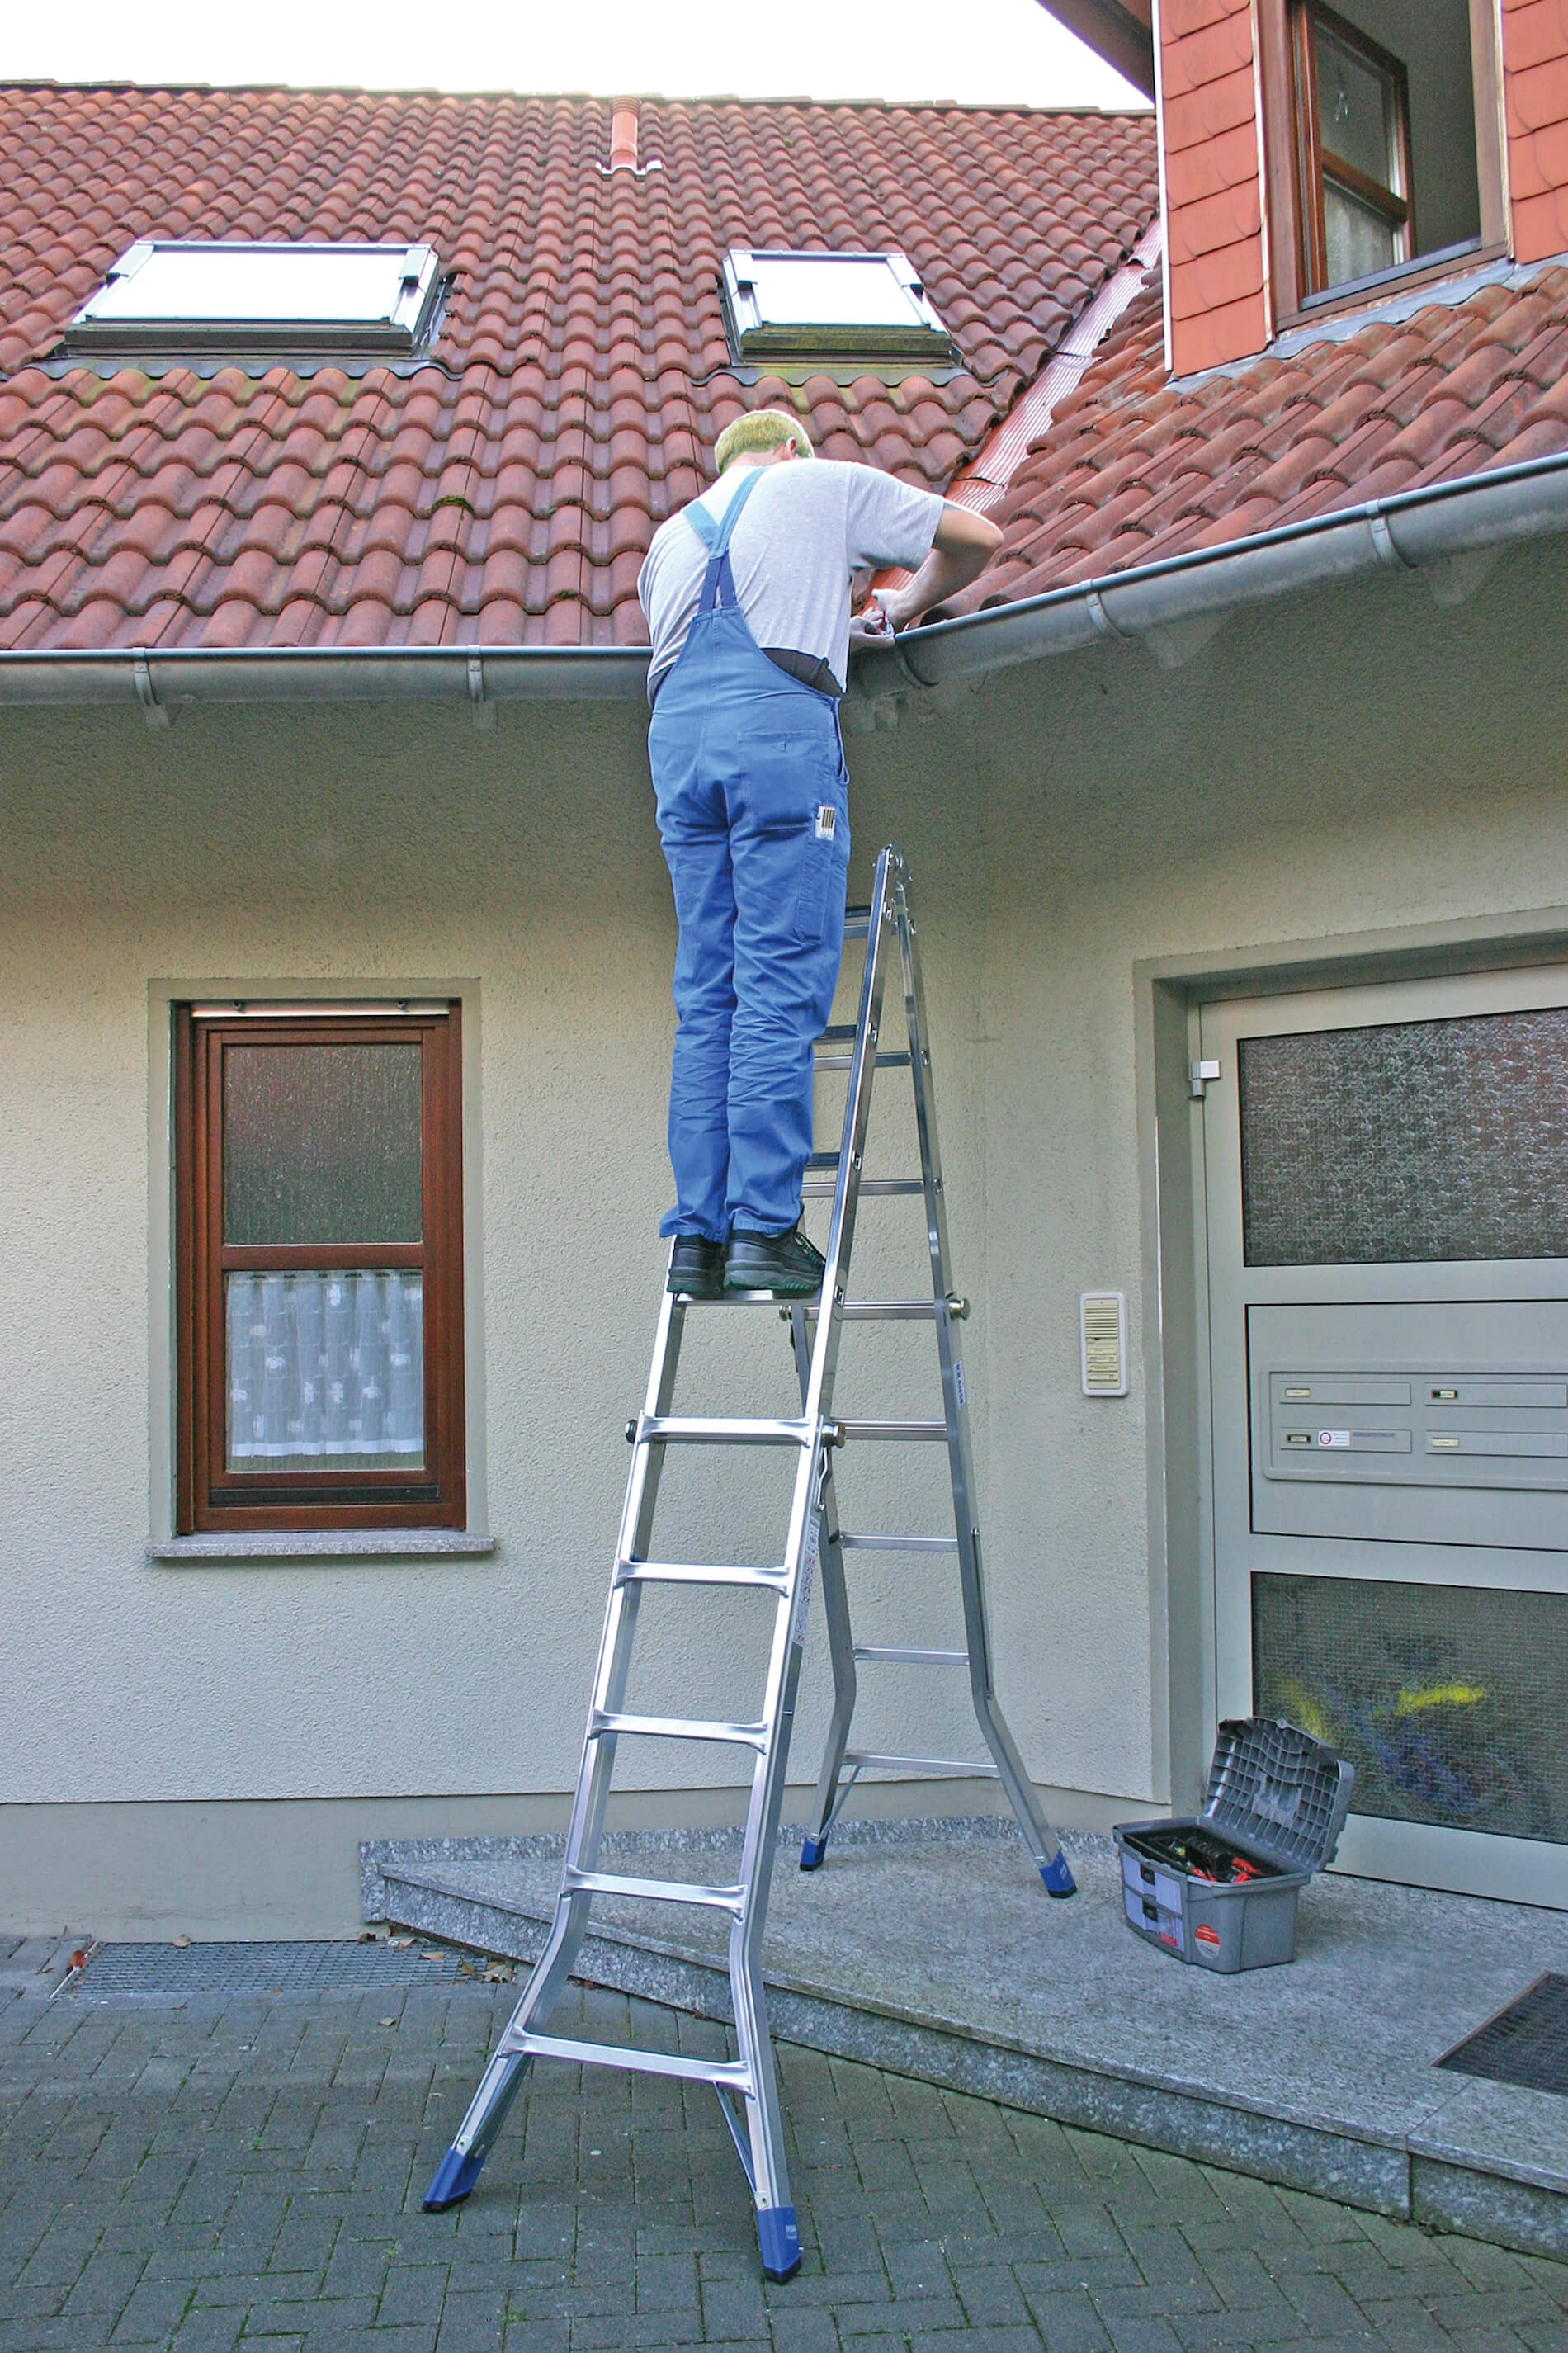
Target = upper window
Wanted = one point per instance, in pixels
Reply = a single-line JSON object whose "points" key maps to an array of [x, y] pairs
{"points": [[177, 297], [1394, 126], [319, 1215], [831, 308]]}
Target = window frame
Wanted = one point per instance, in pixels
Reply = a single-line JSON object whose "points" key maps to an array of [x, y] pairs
{"points": [[400, 331], [1293, 298], [1317, 165], [824, 346], [210, 1497]]}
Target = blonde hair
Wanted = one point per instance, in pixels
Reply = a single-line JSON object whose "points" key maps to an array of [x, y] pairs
{"points": [[756, 434]]}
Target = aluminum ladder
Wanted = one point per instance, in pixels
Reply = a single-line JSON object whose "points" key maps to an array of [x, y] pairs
{"points": [[749, 2079]]}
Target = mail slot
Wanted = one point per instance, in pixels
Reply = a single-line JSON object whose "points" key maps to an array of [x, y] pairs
{"points": [[1369, 1423]]}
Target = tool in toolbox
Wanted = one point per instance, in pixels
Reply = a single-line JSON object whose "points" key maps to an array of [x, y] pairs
{"points": [[746, 2085], [1221, 1891]]}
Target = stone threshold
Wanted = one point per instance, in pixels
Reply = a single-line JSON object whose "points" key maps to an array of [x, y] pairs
{"points": [[930, 1948]]}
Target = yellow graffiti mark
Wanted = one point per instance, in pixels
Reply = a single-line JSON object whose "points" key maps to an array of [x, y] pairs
{"points": [[1415, 1703]]}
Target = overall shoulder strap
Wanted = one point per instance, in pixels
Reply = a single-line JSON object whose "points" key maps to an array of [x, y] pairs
{"points": [[719, 581]]}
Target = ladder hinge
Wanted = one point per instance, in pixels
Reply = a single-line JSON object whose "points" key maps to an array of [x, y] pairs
{"points": [[1198, 1077]]}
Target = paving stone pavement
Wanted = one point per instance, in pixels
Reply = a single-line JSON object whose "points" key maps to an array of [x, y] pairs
{"points": [[220, 2170]]}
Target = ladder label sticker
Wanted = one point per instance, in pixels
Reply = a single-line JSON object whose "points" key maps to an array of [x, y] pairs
{"points": [[826, 819], [808, 1577], [958, 1380]]}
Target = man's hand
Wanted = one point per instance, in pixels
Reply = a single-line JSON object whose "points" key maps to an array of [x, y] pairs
{"points": [[964, 544]]}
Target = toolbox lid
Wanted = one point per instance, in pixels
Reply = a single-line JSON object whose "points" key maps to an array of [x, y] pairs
{"points": [[1277, 1793]]}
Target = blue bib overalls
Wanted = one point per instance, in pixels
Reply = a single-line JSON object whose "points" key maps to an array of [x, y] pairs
{"points": [[753, 800]]}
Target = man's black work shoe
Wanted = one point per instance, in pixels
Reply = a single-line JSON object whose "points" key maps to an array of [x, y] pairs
{"points": [[785, 1263], [697, 1266]]}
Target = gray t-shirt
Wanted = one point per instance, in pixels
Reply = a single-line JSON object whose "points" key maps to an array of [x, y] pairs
{"points": [[805, 528]]}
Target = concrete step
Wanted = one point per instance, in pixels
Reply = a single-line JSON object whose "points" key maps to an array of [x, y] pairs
{"points": [[931, 1949]]}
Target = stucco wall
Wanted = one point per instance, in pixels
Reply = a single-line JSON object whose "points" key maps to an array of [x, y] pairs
{"points": [[1360, 763]]}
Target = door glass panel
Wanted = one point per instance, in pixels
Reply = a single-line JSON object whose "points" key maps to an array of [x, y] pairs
{"points": [[322, 1144], [324, 1369], [1446, 1699], [1412, 1142]]}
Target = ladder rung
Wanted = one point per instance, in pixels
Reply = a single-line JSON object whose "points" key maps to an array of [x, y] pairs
{"points": [[676, 1727], [893, 1428], [842, 1061], [730, 1299], [652, 1891], [890, 1654], [950, 1765], [695, 1572], [823, 1160], [857, 922], [718, 1429], [732, 2071], [821, 1189], [898, 1544], [839, 1033]]}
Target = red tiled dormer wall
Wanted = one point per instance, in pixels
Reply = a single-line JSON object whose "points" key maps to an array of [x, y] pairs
{"points": [[1213, 181], [1535, 87]]}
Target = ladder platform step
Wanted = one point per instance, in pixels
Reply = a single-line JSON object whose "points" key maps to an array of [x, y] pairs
{"points": [[696, 1572], [718, 1429], [951, 1768], [820, 1188], [894, 1429], [893, 1310], [731, 2073], [898, 1544], [651, 1890], [603, 1721], [894, 1654]]}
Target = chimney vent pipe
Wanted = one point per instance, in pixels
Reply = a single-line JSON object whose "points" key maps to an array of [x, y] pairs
{"points": [[623, 139]]}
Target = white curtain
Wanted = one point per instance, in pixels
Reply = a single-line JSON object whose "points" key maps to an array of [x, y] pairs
{"points": [[325, 1367]]}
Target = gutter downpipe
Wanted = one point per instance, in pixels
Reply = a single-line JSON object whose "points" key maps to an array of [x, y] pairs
{"points": [[1411, 531]]}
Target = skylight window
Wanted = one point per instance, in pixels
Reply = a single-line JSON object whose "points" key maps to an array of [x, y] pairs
{"points": [[831, 308], [242, 298]]}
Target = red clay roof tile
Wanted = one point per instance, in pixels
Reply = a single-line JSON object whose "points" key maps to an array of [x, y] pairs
{"points": [[1134, 468], [507, 491]]}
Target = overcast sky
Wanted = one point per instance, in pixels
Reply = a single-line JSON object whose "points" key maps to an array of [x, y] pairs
{"points": [[982, 52]]}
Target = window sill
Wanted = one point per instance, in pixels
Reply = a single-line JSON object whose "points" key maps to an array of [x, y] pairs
{"points": [[328, 1544], [1407, 277]]}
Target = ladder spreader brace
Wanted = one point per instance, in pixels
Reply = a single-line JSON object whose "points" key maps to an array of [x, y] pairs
{"points": [[813, 1535]]}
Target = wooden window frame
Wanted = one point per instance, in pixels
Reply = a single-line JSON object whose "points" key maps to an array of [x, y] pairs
{"points": [[1316, 164], [210, 1497], [1292, 300]]}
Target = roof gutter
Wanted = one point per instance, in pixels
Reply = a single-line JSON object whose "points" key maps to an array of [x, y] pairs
{"points": [[1170, 607]]}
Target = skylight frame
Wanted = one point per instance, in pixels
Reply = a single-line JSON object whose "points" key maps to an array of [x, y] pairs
{"points": [[755, 335], [109, 322]]}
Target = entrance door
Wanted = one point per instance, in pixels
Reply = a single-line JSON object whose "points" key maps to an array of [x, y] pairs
{"points": [[1386, 1181]]}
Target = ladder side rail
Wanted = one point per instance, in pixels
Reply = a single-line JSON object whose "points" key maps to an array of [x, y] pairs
{"points": [[818, 1398], [840, 1631], [769, 2171], [1044, 1844], [775, 2216]]}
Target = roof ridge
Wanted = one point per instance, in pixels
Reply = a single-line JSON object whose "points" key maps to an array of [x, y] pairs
{"points": [[586, 97]]}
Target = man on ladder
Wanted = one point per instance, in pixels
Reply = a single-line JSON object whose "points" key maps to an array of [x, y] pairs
{"points": [[747, 594]]}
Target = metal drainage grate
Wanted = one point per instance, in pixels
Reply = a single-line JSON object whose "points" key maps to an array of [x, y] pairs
{"points": [[309, 1966], [1526, 2043]]}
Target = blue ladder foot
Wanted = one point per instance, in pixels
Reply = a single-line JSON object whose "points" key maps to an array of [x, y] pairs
{"points": [[455, 2177], [780, 2242], [812, 1852], [1058, 1879]]}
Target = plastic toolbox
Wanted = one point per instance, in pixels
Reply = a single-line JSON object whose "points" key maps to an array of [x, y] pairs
{"points": [[1220, 1889]]}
